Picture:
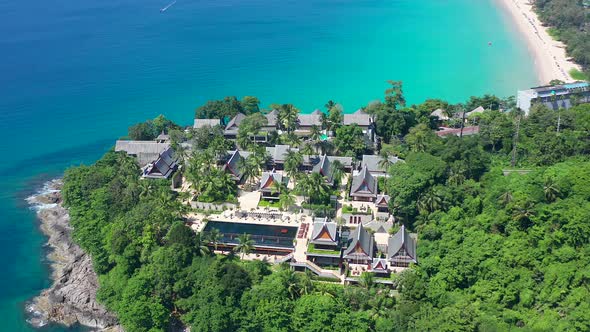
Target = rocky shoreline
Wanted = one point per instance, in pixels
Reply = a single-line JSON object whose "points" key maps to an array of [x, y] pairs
{"points": [[71, 299]]}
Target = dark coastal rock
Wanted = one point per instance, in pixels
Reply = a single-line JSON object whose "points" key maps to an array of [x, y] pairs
{"points": [[72, 297]]}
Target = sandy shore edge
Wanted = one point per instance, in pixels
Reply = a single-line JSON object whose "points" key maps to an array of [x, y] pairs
{"points": [[71, 299], [550, 59]]}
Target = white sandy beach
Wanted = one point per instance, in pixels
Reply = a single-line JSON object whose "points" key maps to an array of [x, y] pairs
{"points": [[549, 55]]}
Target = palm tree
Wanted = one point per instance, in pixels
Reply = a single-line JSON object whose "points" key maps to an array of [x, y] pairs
{"points": [[214, 236], [286, 200], [245, 245], [307, 150], [293, 161], [385, 160], [291, 283], [288, 117], [551, 190], [430, 202], [200, 245], [366, 279], [523, 213], [506, 198], [316, 187], [315, 133], [337, 172], [146, 188], [248, 169]]}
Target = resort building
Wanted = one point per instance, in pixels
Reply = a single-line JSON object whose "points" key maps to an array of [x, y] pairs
{"points": [[375, 165], [231, 129], [200, 123], [324, 168], [163, 138], [143, 151], [163, 167], [401, 249], [380, 268], [271, 184], [324, 244], [477, 110], [361, 247], [554, 96], [307, 121], [278, 155], [364, 121], [232, 165], [382, 206], [440, 114], [364, 186]]}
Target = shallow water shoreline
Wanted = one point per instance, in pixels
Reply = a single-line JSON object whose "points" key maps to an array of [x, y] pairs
{"points": [[550, 58]]}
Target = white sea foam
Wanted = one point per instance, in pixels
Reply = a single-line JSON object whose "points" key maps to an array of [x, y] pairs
{"points": [[49, 187]]}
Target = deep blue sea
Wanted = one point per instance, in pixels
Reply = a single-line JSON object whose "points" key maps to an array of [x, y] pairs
{"points": [[75, 74]]}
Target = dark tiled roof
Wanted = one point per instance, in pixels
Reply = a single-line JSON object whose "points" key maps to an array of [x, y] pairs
{"points": [[372, 162], [278, 153], [163, 166], [362, 245], [272, 118], [232, 165], [324, 167], [401, 240], [308, 120], [364, 184], [234, 123], [144, 151], [200, 123], [359, 117]]}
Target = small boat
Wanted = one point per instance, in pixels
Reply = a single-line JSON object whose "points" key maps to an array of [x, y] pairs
{"points": [[168, 6], [284, 231]]}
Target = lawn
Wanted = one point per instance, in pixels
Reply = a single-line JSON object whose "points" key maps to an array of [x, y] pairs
{"points": [[311, 249], [579, 75], [264, 203]]}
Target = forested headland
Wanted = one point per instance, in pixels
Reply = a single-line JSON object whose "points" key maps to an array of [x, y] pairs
{"points": [[497, 252]]}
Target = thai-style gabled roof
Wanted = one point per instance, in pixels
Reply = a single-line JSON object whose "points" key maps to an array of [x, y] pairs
{"points": [[278, 153], [362, 245], [402, 240], [440, 113], [200, 123], [162, 167], [476, 110], [308, 120], [382, 200], [272, 118], [144, 151], [324, 232], [373, 163], [363, 184], [268, 179], [379, 226], [232, 165], [163, 137], [324, 167], [359, 118], [379, 265], [234, 123]]}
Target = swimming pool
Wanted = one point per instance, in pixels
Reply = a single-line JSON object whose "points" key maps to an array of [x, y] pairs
{"points": [[269, 236]]}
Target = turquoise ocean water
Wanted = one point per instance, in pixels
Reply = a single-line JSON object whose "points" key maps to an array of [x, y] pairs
{"points": [[75, 74]]}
